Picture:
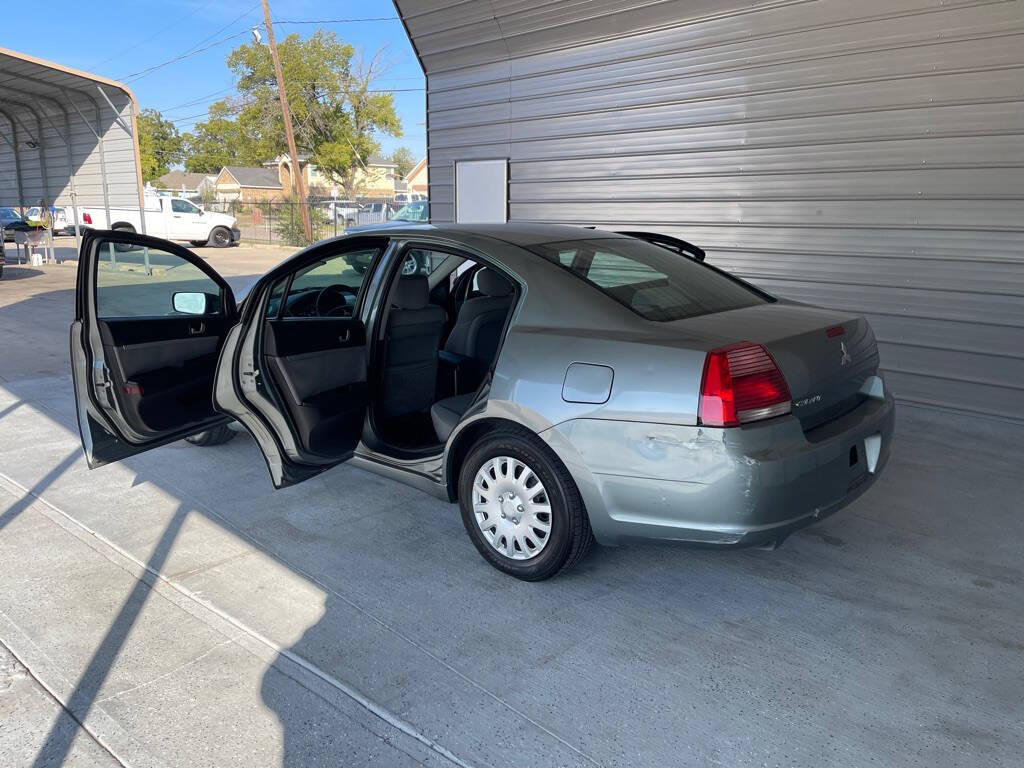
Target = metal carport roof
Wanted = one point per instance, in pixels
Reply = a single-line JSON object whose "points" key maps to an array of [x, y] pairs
{"points": [[66, 137]]}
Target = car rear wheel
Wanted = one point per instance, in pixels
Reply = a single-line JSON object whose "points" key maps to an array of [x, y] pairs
{"points": [[216, 436], [521, 508], [220, 237], [197, 243]]}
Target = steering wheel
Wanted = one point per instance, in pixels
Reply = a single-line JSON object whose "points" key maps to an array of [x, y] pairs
{"points": [[333, 300]]}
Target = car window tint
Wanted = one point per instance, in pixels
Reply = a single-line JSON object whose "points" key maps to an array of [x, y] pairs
{"points": [[126, 288], [652, 281], [182, 206], [276, 292], [329, 287], [422, 262]]}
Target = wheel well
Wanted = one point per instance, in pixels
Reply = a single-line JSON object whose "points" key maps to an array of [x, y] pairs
{"points": [[464, 443]]}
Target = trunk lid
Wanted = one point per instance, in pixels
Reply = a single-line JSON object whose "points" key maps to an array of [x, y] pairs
{"points": [[825, 355]]}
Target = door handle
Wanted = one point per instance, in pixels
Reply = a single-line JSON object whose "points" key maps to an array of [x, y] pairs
{"points": [[345, 336], [194, 329]]}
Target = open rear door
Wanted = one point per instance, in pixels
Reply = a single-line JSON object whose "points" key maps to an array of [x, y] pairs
{"points": [[150, 320], [294, 370]]}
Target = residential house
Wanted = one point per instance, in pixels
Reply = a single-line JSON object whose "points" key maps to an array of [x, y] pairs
{"points": [[188, 184], [375, 179], [416, 179], [249, 185]]}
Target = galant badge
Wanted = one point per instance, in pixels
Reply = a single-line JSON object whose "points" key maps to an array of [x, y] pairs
{"points": [[846, 359]]}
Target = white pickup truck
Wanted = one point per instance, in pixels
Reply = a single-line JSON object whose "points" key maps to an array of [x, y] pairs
{"points": [[171, 218]]}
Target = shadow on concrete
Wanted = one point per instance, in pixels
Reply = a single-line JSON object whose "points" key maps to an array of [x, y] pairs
{"points": [[14, 272], [64, 729]]}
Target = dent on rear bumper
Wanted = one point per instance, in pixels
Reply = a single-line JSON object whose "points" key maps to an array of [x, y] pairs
{"points": [[724, 487]]}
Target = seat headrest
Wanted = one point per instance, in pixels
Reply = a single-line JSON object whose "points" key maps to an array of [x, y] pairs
{"points": [[491, 283], [412, 292]]}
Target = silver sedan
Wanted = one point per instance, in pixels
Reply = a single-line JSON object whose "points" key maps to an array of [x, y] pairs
{"points": [[563, 385]]}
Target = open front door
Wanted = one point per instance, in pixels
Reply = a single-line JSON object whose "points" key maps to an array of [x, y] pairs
{"points": [[294, 370], [150, 319]]}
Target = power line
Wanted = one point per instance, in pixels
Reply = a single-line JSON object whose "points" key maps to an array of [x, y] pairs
{"points": [[338, 21], [155, 35], [149, 70], [198, 100], [197, 48]]}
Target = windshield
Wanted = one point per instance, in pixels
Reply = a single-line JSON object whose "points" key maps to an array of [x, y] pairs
{"points": [[416, 211], [653, 282], [9, 214]]}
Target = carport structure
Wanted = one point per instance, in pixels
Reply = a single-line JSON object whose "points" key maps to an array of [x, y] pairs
{"points": [[67, 138]]}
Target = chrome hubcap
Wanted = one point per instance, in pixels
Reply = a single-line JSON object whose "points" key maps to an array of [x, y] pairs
{"points": [[512, 508]]}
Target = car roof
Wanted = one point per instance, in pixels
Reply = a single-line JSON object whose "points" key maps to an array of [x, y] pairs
{"points": [[516, 233]]}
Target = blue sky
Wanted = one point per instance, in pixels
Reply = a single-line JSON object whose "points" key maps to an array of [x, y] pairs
{"points": [[116, 38]]}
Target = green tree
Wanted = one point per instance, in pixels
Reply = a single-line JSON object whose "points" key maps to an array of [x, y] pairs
{"points": [[336, 111], [223, 139], [160, 144], [404, 159]]}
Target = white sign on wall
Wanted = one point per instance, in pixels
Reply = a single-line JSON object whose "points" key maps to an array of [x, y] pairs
{"points": [[481, 191]]}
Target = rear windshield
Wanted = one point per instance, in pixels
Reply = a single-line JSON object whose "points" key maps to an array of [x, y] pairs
{"points": [[652, 281]]}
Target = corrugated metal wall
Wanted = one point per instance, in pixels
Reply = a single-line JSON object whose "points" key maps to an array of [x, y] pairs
{"points": [[42, 106], [866, 155]]}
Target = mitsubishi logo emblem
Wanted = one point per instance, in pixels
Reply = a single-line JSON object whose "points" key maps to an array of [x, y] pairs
{"points": [[846, 359]]}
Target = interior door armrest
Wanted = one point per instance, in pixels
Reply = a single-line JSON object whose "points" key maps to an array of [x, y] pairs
{"points": [[453, 359]]}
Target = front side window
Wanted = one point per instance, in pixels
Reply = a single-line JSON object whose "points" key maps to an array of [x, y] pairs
{"points": [[653, 282], [136, 281], [327, 288], [183, 206]]}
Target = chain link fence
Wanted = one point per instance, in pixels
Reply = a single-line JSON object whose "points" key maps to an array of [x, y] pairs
{"points": [[279, 222]]}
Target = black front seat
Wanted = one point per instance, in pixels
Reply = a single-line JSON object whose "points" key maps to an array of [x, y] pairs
{"points": [[478, 326], [410, 349]]}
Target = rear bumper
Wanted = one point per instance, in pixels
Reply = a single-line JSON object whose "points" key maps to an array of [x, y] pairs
{"points": [[745, 486], [236, 235]]}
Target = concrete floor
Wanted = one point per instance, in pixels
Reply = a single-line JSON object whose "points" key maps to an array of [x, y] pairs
{"points": [[174, 610]]}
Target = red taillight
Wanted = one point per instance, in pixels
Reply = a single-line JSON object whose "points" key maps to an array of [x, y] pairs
{"points": [[835, 330], [87, 218], [741, 383]]}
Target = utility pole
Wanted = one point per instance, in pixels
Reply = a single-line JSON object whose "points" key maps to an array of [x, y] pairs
{"points": [[288, 132]]}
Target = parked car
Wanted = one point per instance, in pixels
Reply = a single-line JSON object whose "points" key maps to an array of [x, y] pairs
{"points": [[404, 198], [10, 222], [373, 213], [173, 218], [562, 384], [60, 222], [418, 210], [342, 211]]}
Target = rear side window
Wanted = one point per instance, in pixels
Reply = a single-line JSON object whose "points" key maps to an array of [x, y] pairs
{"points": [[652, 281]]}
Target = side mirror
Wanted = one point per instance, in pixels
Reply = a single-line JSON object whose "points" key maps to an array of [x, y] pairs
{"points": [[190, 303]]}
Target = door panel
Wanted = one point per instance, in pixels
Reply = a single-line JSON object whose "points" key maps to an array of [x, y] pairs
{"points": [[294, 371], [143, 363], [319, 367]]}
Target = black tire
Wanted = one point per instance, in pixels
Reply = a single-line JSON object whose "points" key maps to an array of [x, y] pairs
{"points": [[1, 270], [197, 243], [571, 536], [216, 436], [123, 228], [220, 237]]}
